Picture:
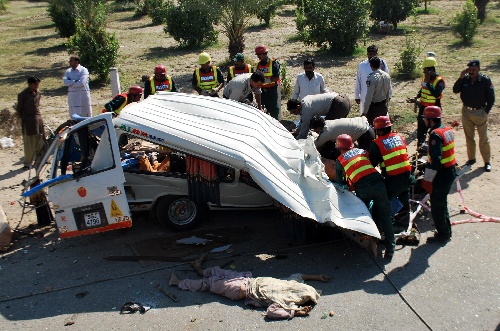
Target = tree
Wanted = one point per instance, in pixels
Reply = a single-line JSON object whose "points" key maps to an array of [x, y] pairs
{"points": [[465, 23], [96, 48], [481, 9], [394, 11], [3, 5], [336, 25], [426, 2], [62, 13]]}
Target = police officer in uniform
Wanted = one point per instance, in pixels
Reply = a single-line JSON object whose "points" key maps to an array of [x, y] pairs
{"points": [[430, 94], [207, 79], [478, 96], [389, 150], [440, 172], [271, 69], [160, 81], [354, 166], [378, 90]]}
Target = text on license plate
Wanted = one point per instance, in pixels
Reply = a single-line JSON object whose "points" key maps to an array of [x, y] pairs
{"points": [[92, 219]]}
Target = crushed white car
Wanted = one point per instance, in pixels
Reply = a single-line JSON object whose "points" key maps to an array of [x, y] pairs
{"points": [[93, 188]]}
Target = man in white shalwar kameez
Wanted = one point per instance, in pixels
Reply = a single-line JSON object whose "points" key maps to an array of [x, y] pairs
{"points": [[76, 79]]}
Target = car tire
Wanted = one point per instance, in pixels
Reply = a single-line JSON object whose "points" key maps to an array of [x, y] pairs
{"points": [[179, 212]]}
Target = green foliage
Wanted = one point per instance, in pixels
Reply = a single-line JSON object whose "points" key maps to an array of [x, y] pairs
{"points": [[426, 3], [267, 12], [3, 5], [62, 13], [190, 25], [336, 25], [393, 11], [98, 50], [157, 11], [465, 24], [286, 82], [406, 67]]}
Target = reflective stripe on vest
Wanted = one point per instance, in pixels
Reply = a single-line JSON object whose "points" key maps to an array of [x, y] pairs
{"points": [[117, 111], [395, 157], [356, 164], [207, 81], [233, 72], [426, 98], [448, 148], [267, 69], [163, 86]]}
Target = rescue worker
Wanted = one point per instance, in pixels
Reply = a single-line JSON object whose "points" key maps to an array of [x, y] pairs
{"points": [[244, 85], [430, 94], [440, 172], [271, 69], [239, 68], [207, 79], [354, 166], [119, 102], [160, 81], [378, 92], [389, 150], [328, 130]]}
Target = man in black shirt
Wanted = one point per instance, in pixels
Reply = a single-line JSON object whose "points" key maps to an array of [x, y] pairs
{"points": [[477, 94]]}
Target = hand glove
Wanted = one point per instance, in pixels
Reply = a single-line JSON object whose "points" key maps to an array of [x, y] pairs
{"points": [[427, 186]]}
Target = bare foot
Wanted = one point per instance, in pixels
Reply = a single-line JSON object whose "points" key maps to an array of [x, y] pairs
{"points": [[304, 311], [197, 263], [174, 280]]}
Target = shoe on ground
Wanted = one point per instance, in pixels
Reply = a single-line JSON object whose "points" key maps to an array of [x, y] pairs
{"points": [[388, 255], [25, 167], [439, 239], [470, 162], [487, 167]]}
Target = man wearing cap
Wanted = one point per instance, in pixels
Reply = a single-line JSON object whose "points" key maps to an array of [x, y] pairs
{"points": [[378, 91], [430, 94], [119, 102], [309, 82], [389, 151], [207, 79], [239, 67], [353, 167], [328, 131], [364, 70], [478, 96], [440, 172], [242, 86], [271, 69], [76, 79], [160, 81], [331, 105]]}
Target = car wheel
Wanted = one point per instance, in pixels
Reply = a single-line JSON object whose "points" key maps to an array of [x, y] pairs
{"points": [[178, 212]]}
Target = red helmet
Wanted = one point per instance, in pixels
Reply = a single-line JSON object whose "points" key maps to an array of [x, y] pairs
{"points": [[344, 142], [432, 112], [135, 90], [381, 122], [160, 69], [260, 49]]}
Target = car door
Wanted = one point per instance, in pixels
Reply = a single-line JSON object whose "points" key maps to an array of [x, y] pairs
{"points": [[87, 190]]}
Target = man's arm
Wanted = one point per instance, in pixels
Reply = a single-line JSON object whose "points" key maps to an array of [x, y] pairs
{"points": [[174, 87], [357, 87], [490, 96], [457, 87], [322, 277], [322, 86], [194, 84], [369, 96], [296, 89], [147, 89], [374, 154], [276, 71], [258, 99], [20, 105], [436, 91], [84, 78], [114, 104]]}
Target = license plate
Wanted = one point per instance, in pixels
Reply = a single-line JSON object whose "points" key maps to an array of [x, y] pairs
{"points": [[92, 219]]}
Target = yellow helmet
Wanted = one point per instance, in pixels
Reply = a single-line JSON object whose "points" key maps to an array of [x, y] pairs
{"points": [[429, 62], [204, 58]]}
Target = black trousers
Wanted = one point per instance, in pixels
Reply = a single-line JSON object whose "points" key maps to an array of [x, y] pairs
{"points": [[340, 108], [376, 109]]}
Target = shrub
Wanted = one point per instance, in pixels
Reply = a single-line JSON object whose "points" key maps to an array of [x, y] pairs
{"points": [[189, 26], [3, 5], [286, 83], [63, 15], [407, 64], [393, 11], [335, 25], [96, 48], [267, 12], [157, 11], [465, 24]]}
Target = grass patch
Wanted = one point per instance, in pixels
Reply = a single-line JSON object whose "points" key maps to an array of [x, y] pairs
{"points": [[429, 11]]}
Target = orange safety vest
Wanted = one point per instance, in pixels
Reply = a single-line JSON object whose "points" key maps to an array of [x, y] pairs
{"points": [[166, 85], [207, 80], [356, 164], [233, 72], [448, 149], [395, 158], [426, 98], [267, 69]]}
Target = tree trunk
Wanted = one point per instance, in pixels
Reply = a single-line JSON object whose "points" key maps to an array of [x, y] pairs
{"points": [[481, 9]]}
